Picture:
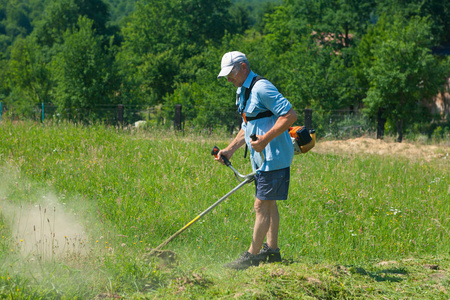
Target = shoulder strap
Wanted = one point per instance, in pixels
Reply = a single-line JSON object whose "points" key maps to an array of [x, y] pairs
{"points": [[249, 90], [246, 96]]}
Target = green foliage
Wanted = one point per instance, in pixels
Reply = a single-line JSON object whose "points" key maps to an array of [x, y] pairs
{"points": [[157, 26], [436, 10], [325, 55], [403, 71], [348, 17], [4, 87], [60, 16], [283, 28], [15, 22], [29, 72], [207, 102], [160, 37], [319, 76], [120, 9], [83, 73], [204, 107], [250, 13]]}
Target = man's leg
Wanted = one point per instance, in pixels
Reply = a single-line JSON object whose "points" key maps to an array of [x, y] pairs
{"points": [[266, 224], [272, 234]]}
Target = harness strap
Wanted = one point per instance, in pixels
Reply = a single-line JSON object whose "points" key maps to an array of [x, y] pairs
{"points": [[261, 115], [248, 91]]}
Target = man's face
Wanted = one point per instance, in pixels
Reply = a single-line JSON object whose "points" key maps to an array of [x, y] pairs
{"points": [[238, 75]]}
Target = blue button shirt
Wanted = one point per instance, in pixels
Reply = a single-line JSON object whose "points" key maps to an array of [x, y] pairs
{"points": [[264, 96]]}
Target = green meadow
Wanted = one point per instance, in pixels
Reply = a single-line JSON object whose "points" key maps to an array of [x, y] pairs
{"points": [[81, 206]]}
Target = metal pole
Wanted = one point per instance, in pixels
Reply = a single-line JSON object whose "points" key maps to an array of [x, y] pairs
{"points": [[42, 112], [308, 118], [152, 252]]}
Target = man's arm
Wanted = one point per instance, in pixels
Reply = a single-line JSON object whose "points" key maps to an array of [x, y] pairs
{"points": [[228, 152], [281, 125]]}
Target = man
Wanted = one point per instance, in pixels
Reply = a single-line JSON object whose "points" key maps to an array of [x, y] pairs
{"points": [[269, 115]]}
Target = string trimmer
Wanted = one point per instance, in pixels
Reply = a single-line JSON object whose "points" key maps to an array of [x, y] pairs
{"points": [[244, 179]]}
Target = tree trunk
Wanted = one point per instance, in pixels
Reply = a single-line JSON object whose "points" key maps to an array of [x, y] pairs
{"points": [[346, 39]]}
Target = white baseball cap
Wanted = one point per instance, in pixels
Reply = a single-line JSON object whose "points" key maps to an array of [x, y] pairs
{"points": [[228, 61]]}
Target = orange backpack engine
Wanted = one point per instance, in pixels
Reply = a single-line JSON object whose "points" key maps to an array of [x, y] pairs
{"points": [[302, 139]]}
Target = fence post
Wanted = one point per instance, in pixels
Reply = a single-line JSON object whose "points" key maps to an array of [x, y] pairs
{"points": [[43, 112], [308, 118], [1, 111], [381, 120], [120, 110], [178, 117]]}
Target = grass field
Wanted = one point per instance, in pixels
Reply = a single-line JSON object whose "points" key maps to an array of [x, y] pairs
{"points": [[81, 206]]}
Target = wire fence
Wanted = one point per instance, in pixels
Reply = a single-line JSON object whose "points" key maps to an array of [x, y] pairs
{"points": [[343, 123]]}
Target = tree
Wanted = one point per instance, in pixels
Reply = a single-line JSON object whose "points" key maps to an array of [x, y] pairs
{"points": [[160, 37], [331, 22], [346, 17], [306, 57], [59, 16], [28, 72], [83, 73], [317, 75], [4, 88], [437, 11], [14, 22], [207, 102], [239, 14], [403, 72], [158, 25]]}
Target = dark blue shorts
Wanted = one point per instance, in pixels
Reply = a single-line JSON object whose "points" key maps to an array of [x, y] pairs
{"points": [[272, 185]]}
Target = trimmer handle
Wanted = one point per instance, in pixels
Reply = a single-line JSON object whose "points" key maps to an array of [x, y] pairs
{"points": [[215, 151], [255, 138]]}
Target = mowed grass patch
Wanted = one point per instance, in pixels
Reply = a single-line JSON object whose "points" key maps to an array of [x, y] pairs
{"points": [[130, 190], [403, 279]]}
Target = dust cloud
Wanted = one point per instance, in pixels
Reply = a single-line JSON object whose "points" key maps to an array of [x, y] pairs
{"points": [[44, 230], [40, 227]]}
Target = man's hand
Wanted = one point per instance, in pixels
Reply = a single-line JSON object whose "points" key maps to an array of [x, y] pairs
{"points": [[232, 147], [281, 125], [259, 144], [226, 153]]}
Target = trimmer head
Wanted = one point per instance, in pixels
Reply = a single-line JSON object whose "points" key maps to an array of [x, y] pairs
{"points": [[167, 256]]}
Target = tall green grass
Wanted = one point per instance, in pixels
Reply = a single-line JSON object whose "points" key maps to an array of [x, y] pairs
{"points": [[133, 189]]}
